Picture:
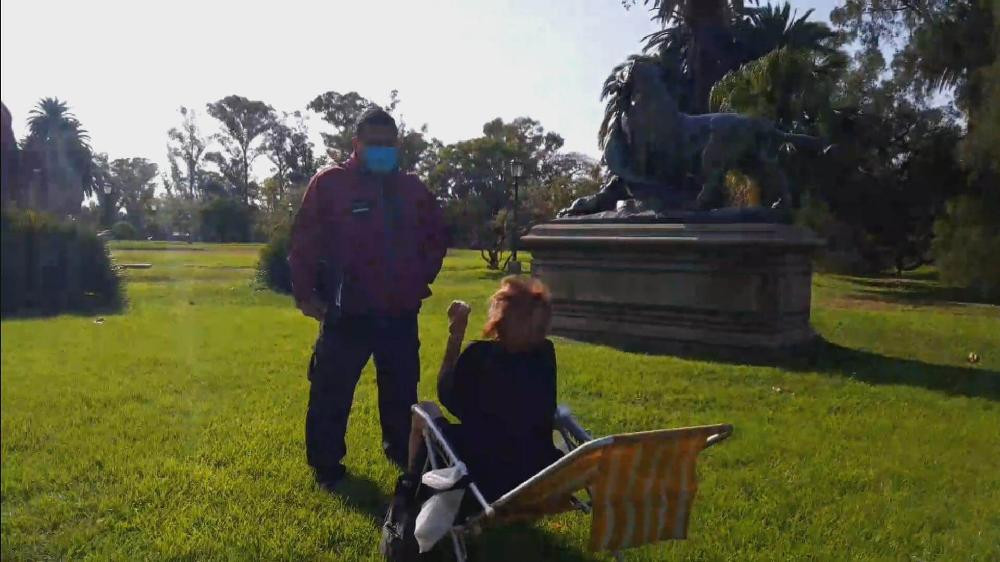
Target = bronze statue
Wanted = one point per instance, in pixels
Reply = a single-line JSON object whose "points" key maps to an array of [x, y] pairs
{"points": [[670, 161]]}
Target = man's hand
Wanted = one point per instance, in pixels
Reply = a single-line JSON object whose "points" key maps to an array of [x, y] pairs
{"points": [[458, 317], [313, 308]]}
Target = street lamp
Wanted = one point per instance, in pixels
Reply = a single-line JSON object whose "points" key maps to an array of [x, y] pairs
{"points": [[516, 171], [107, 207]]}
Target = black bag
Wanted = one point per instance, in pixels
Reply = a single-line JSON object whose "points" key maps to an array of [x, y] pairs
{"points": [[398, 543], [329, 287]]}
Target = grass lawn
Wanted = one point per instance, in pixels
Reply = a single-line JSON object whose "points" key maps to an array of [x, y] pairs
{"points": [[175, 429]]}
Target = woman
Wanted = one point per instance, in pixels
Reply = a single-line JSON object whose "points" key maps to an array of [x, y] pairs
{"points": [[502, 389]]}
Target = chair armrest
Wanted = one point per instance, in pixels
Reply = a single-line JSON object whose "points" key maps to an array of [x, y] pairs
{"points": [[725, 433], [570, 429], [434, 436]]}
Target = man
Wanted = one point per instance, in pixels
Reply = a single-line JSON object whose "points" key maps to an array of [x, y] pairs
{"points": [[367, 242]]}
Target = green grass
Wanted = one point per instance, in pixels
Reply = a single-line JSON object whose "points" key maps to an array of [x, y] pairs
{"points": [[175, 430]]}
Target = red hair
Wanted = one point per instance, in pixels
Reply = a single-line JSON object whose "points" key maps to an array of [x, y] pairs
{"points": [[519, 315]]}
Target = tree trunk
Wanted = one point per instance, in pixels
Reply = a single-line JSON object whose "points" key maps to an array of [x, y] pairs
{"points": [[707, 19]]}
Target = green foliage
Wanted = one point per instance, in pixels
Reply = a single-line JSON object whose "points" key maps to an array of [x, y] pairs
{"points": [[51, 267], [123, 230], [791, 87], [226, 220], [176, 217], [186, 150], [245, 123], [342, 111], [272, 265], [943, 43], [701, 41], [186, 413], [952, 45], [472, 180], [56, 157], [892, 165], [132, 183], [290, 150], [967, 243]]}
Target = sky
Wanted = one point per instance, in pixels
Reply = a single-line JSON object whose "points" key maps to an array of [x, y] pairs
{"points": [[125, 67]]}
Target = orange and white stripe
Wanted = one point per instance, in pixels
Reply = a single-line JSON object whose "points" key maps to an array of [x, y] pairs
{"points": [[642, 486]]}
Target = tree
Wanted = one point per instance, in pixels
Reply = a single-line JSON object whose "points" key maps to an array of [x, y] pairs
{"points": [[700, 41], [132, 179], [226, 220], [695, 34], [185, 151], [949, 45], [10, 188], [290, 150], [57, 157], [244, 124], [565, 178], [342, 111], [472, 180], [107, 196], [176, 216]]}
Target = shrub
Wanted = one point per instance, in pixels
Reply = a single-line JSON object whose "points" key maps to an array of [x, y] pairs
{"points": [[226, 220], [272, 267], [846, 249], [50, 267], [966, 244], [122, 230]]}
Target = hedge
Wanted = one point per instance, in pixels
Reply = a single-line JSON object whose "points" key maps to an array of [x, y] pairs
{"points": [[49, 266]]}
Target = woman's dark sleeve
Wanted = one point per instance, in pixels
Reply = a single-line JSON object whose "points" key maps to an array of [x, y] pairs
{"points": [[551, 360], [454, 387]]}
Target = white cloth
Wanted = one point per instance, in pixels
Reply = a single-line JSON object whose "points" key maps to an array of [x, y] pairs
{"points": [[436, 518], [444, 478], [437, 515]]}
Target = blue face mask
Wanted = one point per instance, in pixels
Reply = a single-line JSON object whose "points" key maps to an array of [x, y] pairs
{"points": [[381, 159]]}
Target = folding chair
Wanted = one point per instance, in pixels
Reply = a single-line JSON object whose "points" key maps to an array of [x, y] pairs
{"points": [[640, 485]]}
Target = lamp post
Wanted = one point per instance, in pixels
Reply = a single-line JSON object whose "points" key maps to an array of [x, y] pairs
{"points": [[152, 213], [516, 171], [107, 207]]}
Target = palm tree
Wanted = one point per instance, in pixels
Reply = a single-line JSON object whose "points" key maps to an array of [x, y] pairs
{"points": [[764, 29], [695, 36], [701, 41], [788, 86], [58, 158]]}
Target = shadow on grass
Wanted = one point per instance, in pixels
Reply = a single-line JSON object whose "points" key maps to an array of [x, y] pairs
{"points": [[42, 312], [922, 290], [519, 542], [831, 359], [523, 543], [364, 496], [872, 368]]}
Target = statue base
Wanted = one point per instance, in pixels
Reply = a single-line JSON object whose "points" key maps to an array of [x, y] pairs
{"points": [[738, 290]]}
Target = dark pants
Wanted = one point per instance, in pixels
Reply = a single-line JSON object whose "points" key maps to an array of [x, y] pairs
{"points": [[341, 352]]}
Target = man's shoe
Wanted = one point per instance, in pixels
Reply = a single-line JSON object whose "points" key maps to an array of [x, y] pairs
{"points": [[327, 479]]}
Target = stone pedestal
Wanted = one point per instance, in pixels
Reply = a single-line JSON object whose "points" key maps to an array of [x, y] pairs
{"points": [[729, 289]]}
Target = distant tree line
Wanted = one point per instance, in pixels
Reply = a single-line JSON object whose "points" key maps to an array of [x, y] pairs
{"points": [[210, 191]]}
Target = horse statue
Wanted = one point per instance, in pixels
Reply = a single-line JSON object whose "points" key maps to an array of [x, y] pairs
{"points": [[668, 160]]}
